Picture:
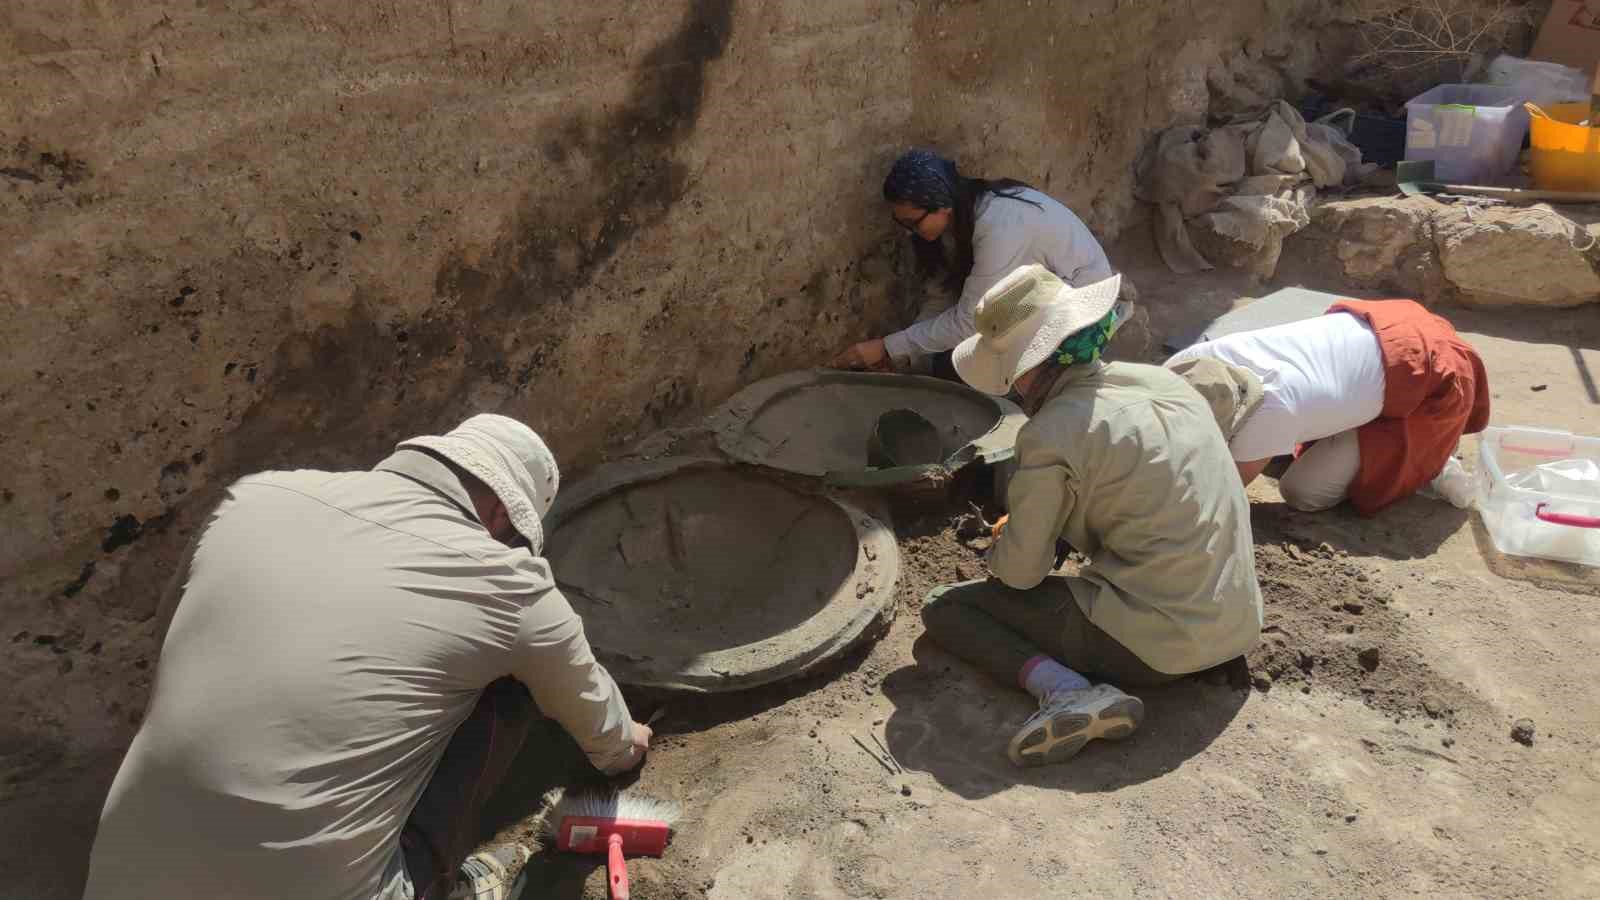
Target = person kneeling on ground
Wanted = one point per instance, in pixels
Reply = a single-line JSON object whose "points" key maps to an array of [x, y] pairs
{"points": [[991, 226], [1385, 388], [345, 680], [1125, 464]]}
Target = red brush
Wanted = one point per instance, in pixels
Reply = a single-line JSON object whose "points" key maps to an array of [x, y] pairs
{"points": [[613, 824]]}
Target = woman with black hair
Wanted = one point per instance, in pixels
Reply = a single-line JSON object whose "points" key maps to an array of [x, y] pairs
{"points": [[995, 228]]}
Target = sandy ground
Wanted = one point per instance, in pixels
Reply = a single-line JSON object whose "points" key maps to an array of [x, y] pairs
{"points": [[1323, 778], [1312, 775]]}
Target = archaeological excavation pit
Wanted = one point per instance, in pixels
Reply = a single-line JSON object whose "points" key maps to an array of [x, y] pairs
{"points": [[692, 574], [821, 424]]}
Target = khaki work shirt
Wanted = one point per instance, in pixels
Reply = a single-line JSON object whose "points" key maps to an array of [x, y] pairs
{"points": [[1126, 464], [333, 630]]}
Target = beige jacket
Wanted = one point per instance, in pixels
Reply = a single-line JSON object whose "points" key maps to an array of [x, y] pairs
{"points": [[1126, 464], [333, 630]]}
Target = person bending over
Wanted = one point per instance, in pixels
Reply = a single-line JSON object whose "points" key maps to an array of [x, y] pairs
{"points": [[1381, 390], [975, 231], [353, 660]]}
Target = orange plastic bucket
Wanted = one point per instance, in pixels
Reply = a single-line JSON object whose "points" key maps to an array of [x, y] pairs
{"points": [[1565, 155]]}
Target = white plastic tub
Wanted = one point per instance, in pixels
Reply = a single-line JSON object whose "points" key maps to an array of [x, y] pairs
{"points": [[1542, 524], [1472, 132]]}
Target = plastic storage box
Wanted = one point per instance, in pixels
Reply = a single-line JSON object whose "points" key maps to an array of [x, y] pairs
{"points": [[1537, 523], [1472, 132]]}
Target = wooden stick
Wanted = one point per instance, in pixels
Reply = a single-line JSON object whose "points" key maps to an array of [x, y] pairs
{"points": [[886, 751], [875, 757], [1510, 195]]}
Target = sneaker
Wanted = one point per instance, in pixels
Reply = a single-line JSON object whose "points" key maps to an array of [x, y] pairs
{"points": [[1070, 719], [491, 874]]}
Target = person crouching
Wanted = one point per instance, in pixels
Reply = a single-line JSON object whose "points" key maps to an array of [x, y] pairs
{"points": [[1124, 462]]}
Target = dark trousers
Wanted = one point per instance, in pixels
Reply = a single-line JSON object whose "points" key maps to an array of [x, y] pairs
{"points": [[444, 825], [998, 629]]}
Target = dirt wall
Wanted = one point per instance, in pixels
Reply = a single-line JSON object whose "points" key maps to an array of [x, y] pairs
{"points": [[238, 235]]}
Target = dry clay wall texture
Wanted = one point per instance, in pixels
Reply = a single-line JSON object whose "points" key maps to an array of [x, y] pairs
{"points": [[240, 235]]}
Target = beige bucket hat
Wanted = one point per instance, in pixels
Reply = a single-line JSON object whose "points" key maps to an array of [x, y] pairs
{"points": [[1022, 320], [511, 459]]}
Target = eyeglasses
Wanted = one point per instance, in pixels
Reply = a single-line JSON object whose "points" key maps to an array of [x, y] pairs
{"points": [[911, 226]]}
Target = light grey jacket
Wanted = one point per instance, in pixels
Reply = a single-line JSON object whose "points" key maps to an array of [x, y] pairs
{"points": [[1007, 235], [333, 630]]}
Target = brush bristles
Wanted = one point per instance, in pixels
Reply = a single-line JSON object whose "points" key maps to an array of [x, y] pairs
{"points": [[604, 804]]}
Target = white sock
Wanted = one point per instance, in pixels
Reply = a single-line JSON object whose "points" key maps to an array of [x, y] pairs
{"points": [[1043, 676]]}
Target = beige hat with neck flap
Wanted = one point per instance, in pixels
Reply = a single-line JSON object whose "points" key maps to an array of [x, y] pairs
{"points": [[511, 459], [1021, 321]]}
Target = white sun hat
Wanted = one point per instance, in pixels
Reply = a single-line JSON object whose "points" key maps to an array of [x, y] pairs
{"points": [[511, 459], [1021, 321]]}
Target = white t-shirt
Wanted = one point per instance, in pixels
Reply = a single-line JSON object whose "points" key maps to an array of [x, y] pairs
{"points": [[1008, 234], [1319, 377]]}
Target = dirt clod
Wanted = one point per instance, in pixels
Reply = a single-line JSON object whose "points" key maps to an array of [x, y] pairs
{"points": [[1522, 732], [1369, 659]]}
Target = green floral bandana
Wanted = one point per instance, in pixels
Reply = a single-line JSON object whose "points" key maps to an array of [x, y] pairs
{"points": [[1085, 344]]}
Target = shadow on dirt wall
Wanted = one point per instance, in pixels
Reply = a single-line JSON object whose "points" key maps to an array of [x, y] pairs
{"points": [[339, 397]]}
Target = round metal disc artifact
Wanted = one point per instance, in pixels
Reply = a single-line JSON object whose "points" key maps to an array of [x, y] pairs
{"points": [[829, 424], [694, 574]]}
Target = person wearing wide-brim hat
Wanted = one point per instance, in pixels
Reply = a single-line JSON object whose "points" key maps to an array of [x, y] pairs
{"points": [[1125, 463], [352, 663]]}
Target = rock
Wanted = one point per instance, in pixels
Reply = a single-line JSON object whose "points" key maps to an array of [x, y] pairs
{"points": [[1261, 681], [1522, 732], [1447, 741], [1504, 257], [1368, 659], [1433, 706], [1353, 608], [905, 790], [1385, 242], [1223, 251]]}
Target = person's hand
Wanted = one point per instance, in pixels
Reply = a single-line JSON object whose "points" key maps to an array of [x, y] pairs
{"points": [[641, 738], [870, 355], [999, 526]]}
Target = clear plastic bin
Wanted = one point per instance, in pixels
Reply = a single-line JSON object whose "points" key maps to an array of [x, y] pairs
{"points": [[1537, 523], [1472, 132]]}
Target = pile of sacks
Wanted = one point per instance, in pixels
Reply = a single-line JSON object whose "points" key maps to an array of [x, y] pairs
{"points": [[1240, 189]]}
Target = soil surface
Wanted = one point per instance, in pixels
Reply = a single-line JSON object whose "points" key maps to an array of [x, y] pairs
{"points": [[1372, 744], [1342, 760]]}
